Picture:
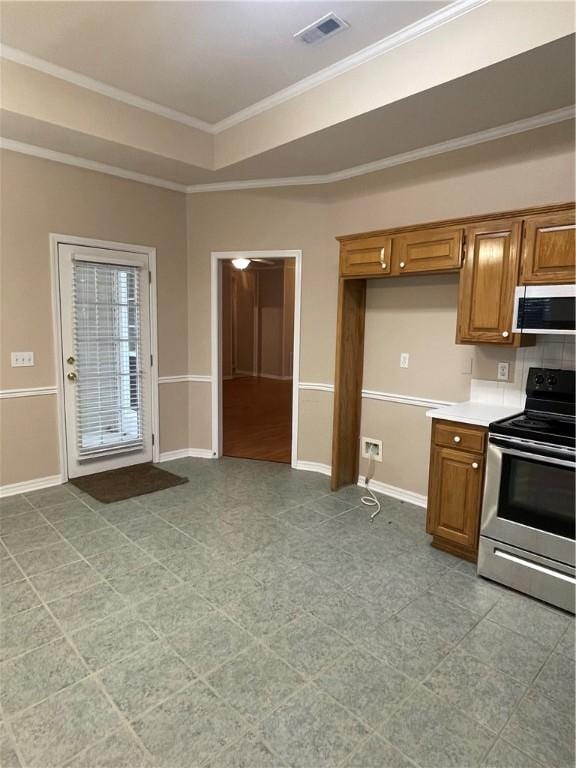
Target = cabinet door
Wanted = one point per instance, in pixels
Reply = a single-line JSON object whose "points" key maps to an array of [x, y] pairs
{"points": [[428, 250], [487, 283], [455, 496], [549, 252], [367, 256]]}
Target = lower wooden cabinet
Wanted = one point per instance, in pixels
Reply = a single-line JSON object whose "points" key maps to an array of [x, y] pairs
{"points": [[455, 488]]}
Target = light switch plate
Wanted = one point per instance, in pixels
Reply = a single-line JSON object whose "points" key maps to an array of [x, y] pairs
{"points": [[404, 359], [503, 371], [21, 359]]}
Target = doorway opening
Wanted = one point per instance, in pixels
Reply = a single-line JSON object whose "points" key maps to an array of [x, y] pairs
{"points": [[255, 374]]}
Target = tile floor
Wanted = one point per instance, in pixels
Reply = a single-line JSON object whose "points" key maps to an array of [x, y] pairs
{"points": [[252, 619]]}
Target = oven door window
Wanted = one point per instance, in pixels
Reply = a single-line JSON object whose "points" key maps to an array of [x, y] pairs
{"points": [[537, 494]]}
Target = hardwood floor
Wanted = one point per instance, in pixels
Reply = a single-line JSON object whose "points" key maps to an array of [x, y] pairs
{"points": [[257, 418]]}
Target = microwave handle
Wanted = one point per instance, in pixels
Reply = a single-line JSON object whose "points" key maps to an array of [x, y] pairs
{"points": [[519, 293]]}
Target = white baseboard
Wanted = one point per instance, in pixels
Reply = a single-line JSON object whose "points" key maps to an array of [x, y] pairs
{"points": [[313, 466], [396, 493], [31, 485], [187, 453]]}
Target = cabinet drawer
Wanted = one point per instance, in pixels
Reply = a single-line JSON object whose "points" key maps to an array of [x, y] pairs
{"points": [[428, 250], [459, 436], [368, 256]]}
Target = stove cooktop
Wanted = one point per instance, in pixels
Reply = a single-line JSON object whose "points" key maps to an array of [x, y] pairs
{"points": [[550, 410]]}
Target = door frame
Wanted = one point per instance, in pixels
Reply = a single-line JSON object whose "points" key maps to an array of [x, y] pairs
{"points": [[55, 241], [216, 339]]}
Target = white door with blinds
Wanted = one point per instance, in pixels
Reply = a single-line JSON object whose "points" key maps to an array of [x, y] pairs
{"points": [[106, 358]]}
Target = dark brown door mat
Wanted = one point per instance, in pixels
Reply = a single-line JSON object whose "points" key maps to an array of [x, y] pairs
{"points": [[121, 484]]}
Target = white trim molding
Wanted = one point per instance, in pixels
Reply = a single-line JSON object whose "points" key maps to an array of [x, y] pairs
{"points": [[31, 485], [394, 492], [403, 36], [186, 377], [217, 257], [314, 466], [90, 165], [8, 394], [187, 453], [389, 397], [444, 147]]}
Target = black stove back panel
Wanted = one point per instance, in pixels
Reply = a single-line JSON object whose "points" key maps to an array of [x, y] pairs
{"points": [[551, 390]]}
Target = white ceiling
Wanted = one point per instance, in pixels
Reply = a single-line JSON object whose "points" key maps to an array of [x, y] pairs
{"points": [[206, 59]]}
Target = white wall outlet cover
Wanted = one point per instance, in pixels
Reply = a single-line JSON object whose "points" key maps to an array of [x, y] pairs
{"points": [[21, 359], [404, 359], [503, 371], [371, 447]]}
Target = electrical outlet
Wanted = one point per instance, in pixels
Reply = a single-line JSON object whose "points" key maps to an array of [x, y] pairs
{"points": [[503, 371], [404, 359], [371, 447], [21, 359]]}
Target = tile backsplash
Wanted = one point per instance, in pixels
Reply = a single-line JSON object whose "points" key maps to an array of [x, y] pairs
{"points": [[548, 352]]}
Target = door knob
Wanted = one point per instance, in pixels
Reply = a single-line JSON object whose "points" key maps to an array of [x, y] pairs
{"points": [[70, 360], [474, 465], [457, 439], [72, 376]]}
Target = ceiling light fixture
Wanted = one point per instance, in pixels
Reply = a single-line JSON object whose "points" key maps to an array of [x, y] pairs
{"points": [[328, 25], [241, 263]]}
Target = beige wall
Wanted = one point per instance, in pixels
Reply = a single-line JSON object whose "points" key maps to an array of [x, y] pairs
{"points": [[416, 316], [40, 197]]}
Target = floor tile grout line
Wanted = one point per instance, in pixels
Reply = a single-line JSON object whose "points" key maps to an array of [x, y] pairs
{"points": [[100, 687]]}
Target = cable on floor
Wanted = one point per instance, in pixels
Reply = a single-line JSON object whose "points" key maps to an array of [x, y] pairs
{"points": [[370, 500]]}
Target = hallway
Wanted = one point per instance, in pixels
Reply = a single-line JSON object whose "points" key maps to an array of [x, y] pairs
{"points": [[258, 418]]}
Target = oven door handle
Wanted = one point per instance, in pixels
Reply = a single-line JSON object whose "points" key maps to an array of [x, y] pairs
{"points": [[534, 456]]}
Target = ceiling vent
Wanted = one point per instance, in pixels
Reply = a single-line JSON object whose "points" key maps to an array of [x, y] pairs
{"points": [[321, 29]]}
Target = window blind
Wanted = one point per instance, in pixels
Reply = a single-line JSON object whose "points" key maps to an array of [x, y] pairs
{"points": [[107, 335]]}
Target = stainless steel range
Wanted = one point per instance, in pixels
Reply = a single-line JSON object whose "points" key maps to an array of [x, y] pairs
{"points": [[527, 527]]}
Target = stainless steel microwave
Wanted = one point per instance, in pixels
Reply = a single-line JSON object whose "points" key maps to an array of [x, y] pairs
{"points": [[545, 309]]}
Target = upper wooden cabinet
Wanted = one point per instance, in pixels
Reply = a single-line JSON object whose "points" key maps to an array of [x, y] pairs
{"points": [[367, 256], [428, 250], [549, 252], [487, 283]]}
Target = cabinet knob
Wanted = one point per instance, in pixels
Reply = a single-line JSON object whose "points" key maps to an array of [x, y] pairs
{"points": [[457, 438], [402, 264], [474, 465], [505, 334], [383, 265]]}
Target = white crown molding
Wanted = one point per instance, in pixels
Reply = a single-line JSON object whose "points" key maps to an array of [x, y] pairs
{"points": [[89, 165], [451, 145], [31, 485], [69, 76], [427, 24], [406, 35], [8, 394], [184, 378], [491, 134]]}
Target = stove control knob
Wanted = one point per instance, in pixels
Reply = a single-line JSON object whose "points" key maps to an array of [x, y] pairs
{"points": [[551, 380], [539, 379]]}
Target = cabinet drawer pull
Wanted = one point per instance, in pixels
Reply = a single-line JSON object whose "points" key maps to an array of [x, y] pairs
{"points": [[457, 438], [474, 465], [505, 334], [402, 264], [382, 257]]}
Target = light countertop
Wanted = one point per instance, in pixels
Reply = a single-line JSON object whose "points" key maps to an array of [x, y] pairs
{"points": [[471, 412]]}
